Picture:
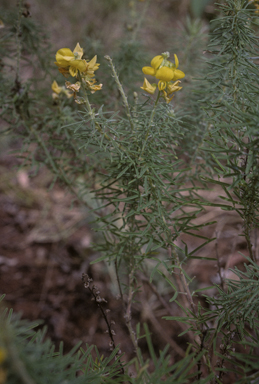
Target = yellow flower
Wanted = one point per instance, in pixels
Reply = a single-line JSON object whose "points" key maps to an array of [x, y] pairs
{"points": [[69, 62], [166, 72], [173, 87], [55, 87], [167, 99], [92, 66], [163, 69], [90, 84], [95, 88], [59, 90], [149, 88], [73, 87]]}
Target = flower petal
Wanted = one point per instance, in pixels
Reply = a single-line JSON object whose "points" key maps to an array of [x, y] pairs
{"points": [[165, 74], [150, 88], [149, 71], [167, 99], [173, 87], [176, 61], [161, 85], [92, 66], [78, 51], [92, 62], [64, 56], [156, 61], [55, 88], [178, 74], [73, 87], [73, 71], [81, 65], [63, 71], [95, 88]]}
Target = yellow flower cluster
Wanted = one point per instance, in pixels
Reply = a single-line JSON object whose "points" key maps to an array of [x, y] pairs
{"points": [[167, 74], [71, 63]]}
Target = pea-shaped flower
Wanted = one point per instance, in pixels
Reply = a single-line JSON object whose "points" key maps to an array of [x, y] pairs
{"points": [[149, 88], [69, 62], [166, 72]]}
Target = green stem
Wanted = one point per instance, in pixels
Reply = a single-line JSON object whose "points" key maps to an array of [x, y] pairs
{"points": [[92, 115], [150, 123], [121, 90]]}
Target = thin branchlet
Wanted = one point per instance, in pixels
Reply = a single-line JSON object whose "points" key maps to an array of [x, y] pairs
{"points": [[96, 294]]}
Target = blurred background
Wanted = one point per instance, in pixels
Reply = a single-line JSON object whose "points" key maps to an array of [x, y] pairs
{"points": [[108, 21]]}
